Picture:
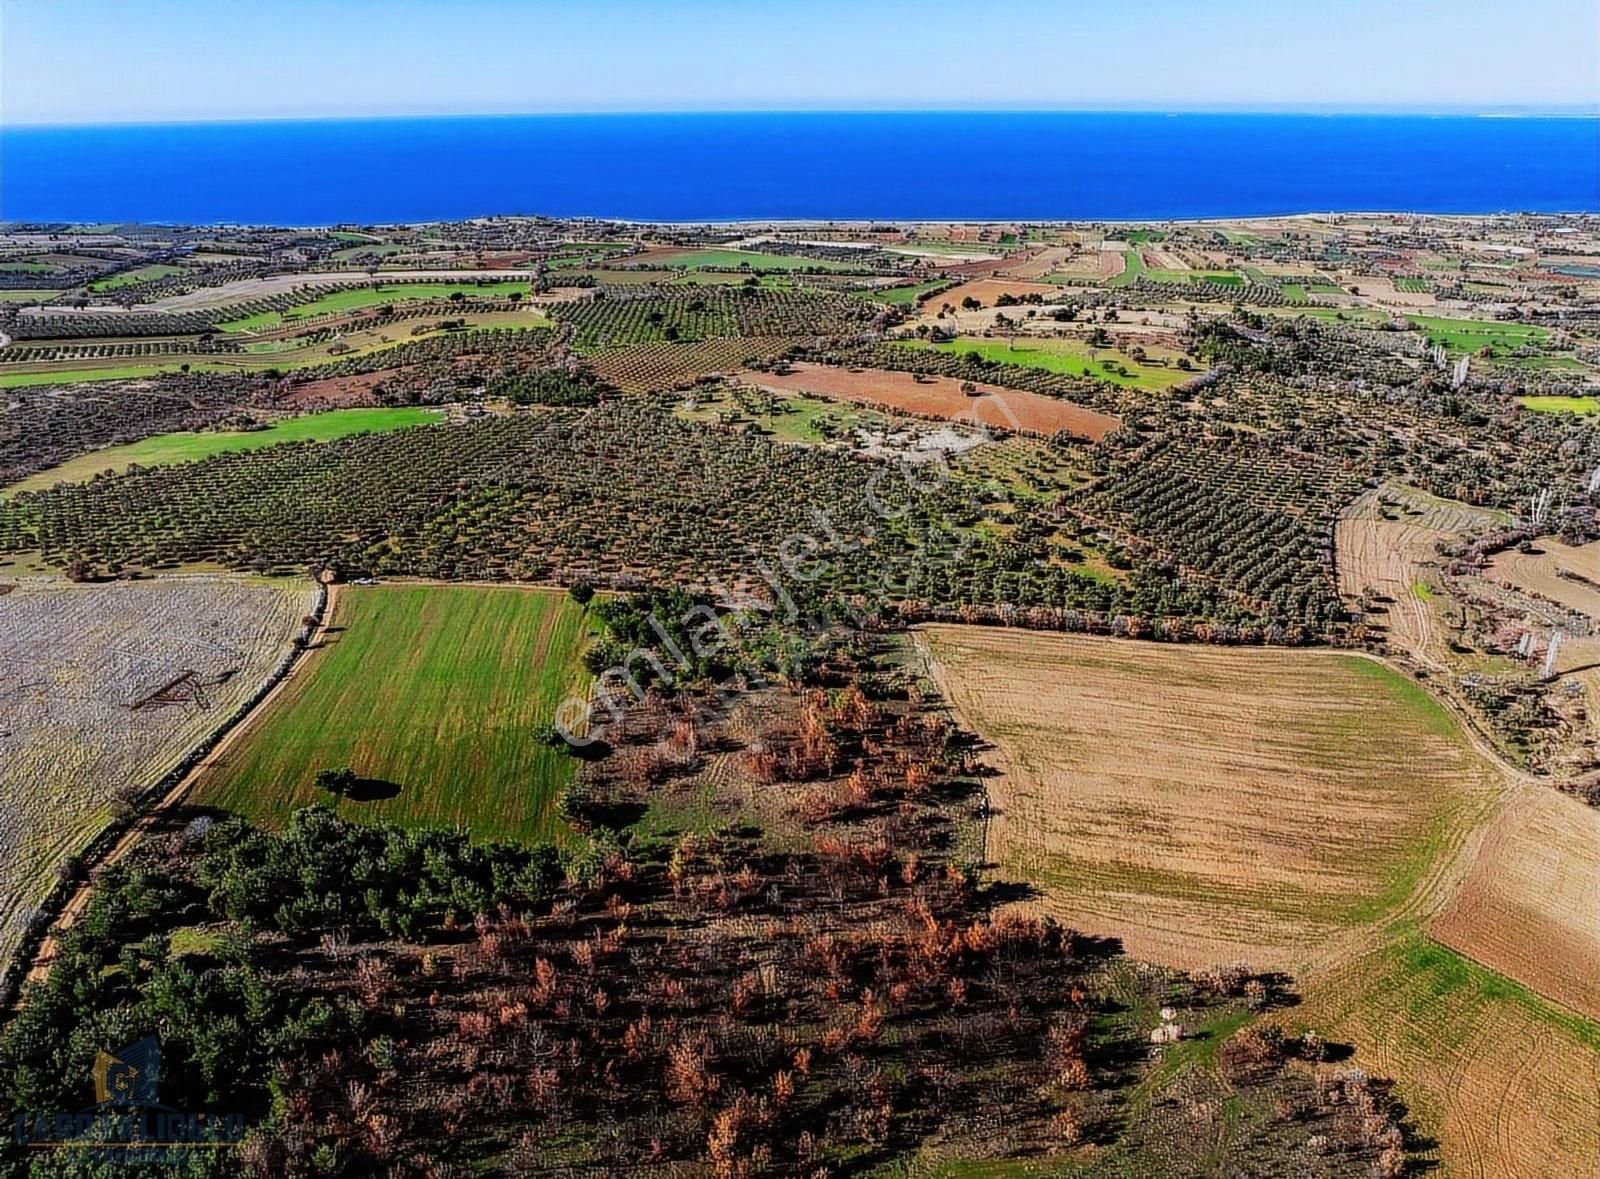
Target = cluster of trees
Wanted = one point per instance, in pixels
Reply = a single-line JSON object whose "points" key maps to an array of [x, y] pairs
{"points": [[1247, 513], [122, 973], [622, 316], [549, 386], [324, 872]]}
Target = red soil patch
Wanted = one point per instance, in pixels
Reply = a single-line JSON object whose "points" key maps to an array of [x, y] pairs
{"points": [[983, 267], [337, 392], [941, 397]]}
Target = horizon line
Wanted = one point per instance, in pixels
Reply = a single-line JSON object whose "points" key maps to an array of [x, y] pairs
{"points": [[1329, 110]]}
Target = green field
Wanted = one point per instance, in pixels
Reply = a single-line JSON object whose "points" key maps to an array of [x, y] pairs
{"points": [[281, 355], [359, 297], [28, 296], [15, 380], [1413, 286], [370, 250], [1470, 335], [907, 294], [28, 267], [432, 695], [140, 274], [1072, 358], [795, 417], [1578, 405], [1131, 271], [1293, 292], [189, 446]]}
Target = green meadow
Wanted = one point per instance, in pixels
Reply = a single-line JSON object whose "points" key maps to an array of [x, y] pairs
{"points": [[434, 696], [1577, 405], [189, 446], [1073, 358], [1471, 335]]}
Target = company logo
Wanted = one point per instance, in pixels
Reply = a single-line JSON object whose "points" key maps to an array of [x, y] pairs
{"points": [[131, 1076], [128, 1123]]}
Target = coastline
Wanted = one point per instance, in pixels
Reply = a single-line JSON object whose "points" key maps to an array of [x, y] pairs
{"points": [[798, 168]]}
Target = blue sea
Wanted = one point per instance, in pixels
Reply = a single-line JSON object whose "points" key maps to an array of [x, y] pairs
{"points": [[977, 166]]}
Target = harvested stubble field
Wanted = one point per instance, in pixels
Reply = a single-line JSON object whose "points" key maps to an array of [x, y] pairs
{"points": [[1531, 907], [82, 707], [433, 696], [941, 397], [1207, 805], [1540, 573], [1386, 541], [1506, 1084]]}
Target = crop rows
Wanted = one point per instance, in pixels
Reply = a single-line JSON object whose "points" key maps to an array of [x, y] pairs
{"points": [[46, 425], [25, 353], [1252, 515], [620, 316], [498, 497], [1201, 291], [645, 368], [66, 326], [513, 497]]}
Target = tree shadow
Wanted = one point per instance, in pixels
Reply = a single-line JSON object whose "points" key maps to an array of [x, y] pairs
{"points": [[1005, 892], [595, 750], [372, 790]]}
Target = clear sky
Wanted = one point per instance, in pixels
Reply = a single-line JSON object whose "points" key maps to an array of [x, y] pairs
{"points": [[74, 61]]}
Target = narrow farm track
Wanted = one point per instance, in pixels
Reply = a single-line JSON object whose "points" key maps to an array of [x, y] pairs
{"points": [[73, 908]]}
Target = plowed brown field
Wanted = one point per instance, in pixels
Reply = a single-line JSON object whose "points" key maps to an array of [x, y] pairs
{"points": [[941, 397]]}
